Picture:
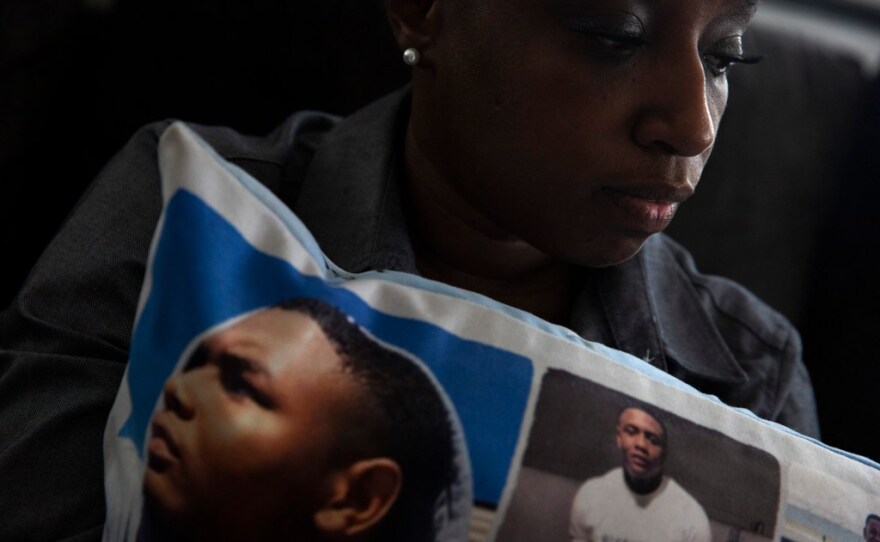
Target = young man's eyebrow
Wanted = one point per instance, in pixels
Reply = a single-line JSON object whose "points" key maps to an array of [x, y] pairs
{"points": [[200, 356], [197, 358], [246, 363]]}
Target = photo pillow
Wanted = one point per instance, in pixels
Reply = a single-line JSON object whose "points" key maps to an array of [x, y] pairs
{"points": [[271, 395]]}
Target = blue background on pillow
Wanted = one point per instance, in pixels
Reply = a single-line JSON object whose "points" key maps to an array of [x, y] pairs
{"points": [[204, 273]]}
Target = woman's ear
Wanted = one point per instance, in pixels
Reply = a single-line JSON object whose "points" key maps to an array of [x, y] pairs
{"points": [[415, 23], [360, 497]]}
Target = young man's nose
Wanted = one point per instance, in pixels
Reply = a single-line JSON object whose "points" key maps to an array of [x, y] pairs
{"points": [[677, 113], [177, 396], [641, 443]]}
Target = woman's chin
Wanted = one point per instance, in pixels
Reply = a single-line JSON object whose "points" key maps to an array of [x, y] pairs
{"points": [[600, 253]]}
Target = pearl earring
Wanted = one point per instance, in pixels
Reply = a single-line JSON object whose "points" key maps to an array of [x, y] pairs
{"points": [[411, 56]]}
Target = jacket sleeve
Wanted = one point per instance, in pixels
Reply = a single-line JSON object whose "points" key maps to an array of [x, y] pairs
{"points": [[63, 348]]}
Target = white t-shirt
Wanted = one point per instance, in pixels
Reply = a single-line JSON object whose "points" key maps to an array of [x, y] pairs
{"points": [[605, 510]]}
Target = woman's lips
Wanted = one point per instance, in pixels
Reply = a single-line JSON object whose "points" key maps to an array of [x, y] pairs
{"points": [[162, 451], [645, 209]]}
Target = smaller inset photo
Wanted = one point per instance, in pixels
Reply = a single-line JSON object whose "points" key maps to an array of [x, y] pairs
{"points": [[602, 466], [824, 508]]}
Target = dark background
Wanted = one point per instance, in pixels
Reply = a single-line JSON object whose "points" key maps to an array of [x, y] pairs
{"points": [[787, 204]]}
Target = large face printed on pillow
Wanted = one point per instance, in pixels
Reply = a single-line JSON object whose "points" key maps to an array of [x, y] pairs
{"points": [[245, 439], [577, 126]]}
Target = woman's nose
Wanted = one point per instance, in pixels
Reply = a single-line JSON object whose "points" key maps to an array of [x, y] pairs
{"points": [[177, 396], [680, 113]]}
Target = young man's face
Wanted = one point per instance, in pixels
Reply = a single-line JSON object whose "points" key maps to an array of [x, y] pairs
{"points": [[641, 441], [248, 426]]}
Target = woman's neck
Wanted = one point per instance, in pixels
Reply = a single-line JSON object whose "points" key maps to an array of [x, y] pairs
{"points": [[457, 244]]}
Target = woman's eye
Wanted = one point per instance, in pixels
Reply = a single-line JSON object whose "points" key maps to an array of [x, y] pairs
{"points": [[719, 63], [725, 53], [617, 44], [611, 34]]}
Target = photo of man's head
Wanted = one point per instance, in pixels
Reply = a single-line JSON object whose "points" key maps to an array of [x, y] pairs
{"points": [[294, 424], [637, 501], [871, 531], [641, 439]]}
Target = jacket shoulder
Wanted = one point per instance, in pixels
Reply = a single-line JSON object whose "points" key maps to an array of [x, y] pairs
{"points": [[278, 159], [773, 381], [731, 306], [302, 131]]}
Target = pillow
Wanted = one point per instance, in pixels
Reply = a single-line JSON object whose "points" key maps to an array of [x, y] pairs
{"points": [[271, 394]]}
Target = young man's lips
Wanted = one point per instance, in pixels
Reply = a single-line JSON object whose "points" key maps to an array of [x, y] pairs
{"points": [[161, 448], [639, 460]]}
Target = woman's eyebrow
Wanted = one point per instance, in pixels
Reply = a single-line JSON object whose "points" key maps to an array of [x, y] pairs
{"points": [[740, 12]]}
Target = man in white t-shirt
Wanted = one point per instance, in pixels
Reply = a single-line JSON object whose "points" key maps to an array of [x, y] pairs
{"points": [[637, 502]]}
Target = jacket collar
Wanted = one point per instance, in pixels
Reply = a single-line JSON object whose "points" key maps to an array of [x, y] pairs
{"points": [[351, 196], [653, 311], [351, 201]]}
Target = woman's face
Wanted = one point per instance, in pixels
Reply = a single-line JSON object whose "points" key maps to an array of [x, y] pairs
{"points": [[576, 125], [245, 437]]}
